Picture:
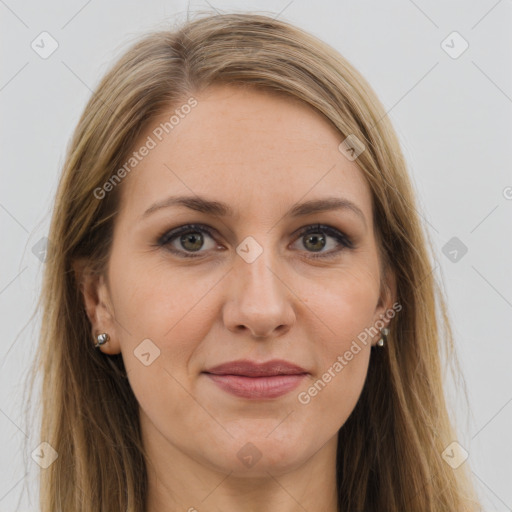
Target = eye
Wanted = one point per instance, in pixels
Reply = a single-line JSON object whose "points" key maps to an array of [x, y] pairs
{"points": [[187, 240], [315, 238]]}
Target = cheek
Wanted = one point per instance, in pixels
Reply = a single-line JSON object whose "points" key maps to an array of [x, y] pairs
{"points": [[172, 310], [156, 302], [341, 307], [176, 316], [340, 313]]}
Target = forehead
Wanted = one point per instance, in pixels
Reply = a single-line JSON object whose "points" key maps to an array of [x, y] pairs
{"points": [[245, 147]]}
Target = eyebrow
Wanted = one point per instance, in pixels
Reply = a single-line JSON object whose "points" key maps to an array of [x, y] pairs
{"points": [[220, 209]]}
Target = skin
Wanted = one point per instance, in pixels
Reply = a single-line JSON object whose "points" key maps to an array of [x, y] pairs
{"points": [[261, 154]]}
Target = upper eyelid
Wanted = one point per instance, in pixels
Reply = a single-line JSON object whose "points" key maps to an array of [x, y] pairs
{"points": [[173, 233], [170, 233]]}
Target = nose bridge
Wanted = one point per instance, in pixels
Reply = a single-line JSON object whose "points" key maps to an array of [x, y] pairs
{"points": [[255, 270], [258, 299]]}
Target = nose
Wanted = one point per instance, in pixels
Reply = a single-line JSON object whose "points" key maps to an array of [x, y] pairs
{"points": [[258, 299]]}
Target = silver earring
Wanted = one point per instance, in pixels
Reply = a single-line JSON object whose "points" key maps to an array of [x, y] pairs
{"points": [[384, 332], [102, 339]]}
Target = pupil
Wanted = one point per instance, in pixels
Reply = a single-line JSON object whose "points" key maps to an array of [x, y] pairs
{"points": [[315, 239], [194, 239]]}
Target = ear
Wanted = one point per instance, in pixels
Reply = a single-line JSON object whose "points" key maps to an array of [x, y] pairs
{"points": [[385, 311], [98, 305]]}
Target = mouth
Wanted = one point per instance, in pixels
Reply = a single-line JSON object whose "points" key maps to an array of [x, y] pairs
{"points": [[257, 387], [248, 379]]}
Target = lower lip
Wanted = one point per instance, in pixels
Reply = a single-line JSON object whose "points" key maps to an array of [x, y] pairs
{"points": [[257, 387]]}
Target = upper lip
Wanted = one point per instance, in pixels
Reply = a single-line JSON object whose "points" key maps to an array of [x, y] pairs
{"points": [[249, 368]]}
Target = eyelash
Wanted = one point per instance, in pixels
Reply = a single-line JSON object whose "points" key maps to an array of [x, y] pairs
{"points": [[167, 237]]}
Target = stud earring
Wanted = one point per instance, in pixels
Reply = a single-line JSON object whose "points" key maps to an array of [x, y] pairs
{"points": [[102, 339], [384, 332]]}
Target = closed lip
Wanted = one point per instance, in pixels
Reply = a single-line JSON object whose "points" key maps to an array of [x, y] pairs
{"points": [[247, 368]]}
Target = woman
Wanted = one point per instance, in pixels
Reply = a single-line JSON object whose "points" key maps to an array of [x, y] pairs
{"points": [[239, 306]]}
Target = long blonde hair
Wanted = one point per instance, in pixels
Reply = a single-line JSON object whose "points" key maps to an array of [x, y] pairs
{"points": [[389, 456]]}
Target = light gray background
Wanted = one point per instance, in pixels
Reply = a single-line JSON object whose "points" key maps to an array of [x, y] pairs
{"points": [[453, 117]]}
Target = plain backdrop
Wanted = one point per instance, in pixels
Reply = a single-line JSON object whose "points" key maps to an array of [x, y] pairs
{"points": [[452, 110]]}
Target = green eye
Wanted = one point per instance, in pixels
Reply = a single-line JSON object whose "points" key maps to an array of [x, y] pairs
{"points": [[188, 240], [195, 239], [316, 238], [190, 237]]}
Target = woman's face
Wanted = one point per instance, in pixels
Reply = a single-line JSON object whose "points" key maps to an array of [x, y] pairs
{"points": [[253, 280]]}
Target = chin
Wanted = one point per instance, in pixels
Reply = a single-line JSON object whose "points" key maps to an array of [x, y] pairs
{"points": [[258, 455]]}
